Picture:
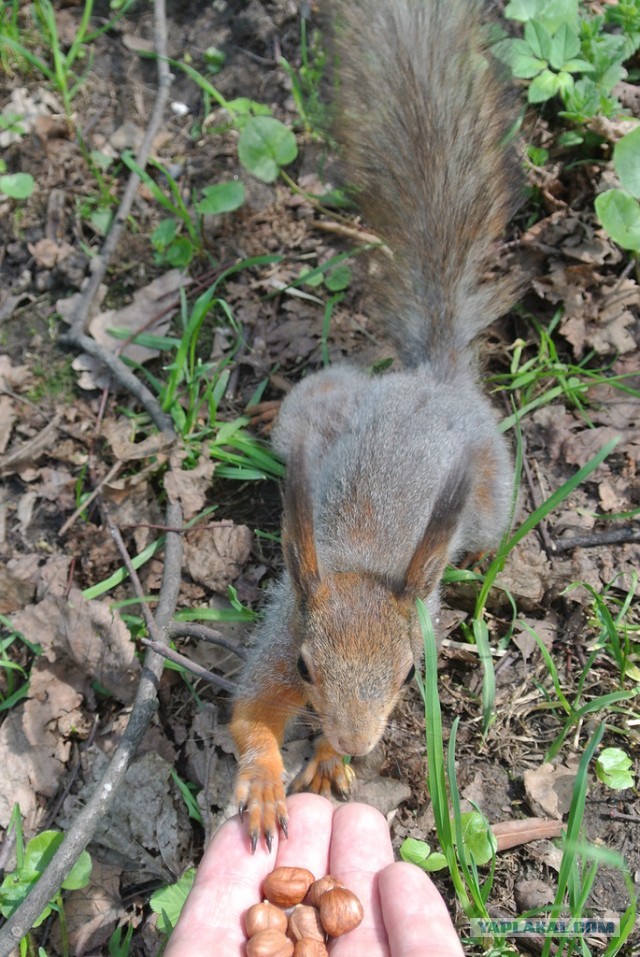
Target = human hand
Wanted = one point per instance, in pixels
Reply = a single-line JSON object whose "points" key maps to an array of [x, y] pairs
{"points": [[404, 915]]}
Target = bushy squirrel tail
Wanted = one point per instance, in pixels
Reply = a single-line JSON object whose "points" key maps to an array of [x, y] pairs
{"points": [[422, 118]]}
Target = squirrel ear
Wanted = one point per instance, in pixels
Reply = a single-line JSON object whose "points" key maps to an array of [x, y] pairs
{"points": [[430, 557], [298, 542]]}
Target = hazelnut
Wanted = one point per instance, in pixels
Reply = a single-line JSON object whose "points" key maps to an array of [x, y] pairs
{"points": [[305, 924], [340, 911], [310, 948], [264, 916], [286, 886], [269, 943], [318, 888]]}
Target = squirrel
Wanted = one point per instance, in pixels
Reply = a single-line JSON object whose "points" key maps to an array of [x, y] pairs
{"points": [[391, 476]]}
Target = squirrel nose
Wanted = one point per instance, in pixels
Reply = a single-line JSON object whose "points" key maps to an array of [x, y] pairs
{"points": [[355, 745]]}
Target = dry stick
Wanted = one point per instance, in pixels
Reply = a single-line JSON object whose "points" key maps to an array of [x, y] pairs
{"points": [[197, 670], [76, 335], [123, 375], [549, 546], [185, 629], [98, 805], [609, 536], [80, 317], [111, 474]]}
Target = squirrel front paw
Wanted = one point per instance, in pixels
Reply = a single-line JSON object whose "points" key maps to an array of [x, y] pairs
{"points": [[325, 772], [261, 797]]}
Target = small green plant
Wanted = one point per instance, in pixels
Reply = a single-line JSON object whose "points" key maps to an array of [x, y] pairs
{"points": [[477, 837], [305, 82], [168, 901], [15, 677], [568, 53], [465, 839], [619, 209], [538, 375], [31, 862], [16, 185], [60, 70], [613, 768]]}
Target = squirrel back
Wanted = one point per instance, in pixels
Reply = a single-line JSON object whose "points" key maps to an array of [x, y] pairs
{"points": [[422, 119], [388, 477]]}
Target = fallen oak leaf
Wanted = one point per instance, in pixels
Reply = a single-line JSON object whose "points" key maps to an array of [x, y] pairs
{"points": [[31, 451]]}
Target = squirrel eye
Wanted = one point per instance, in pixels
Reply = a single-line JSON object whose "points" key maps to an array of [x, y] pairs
{"points": [[409, 678], [303, 671]]}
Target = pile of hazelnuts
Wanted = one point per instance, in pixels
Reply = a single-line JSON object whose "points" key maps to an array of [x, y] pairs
{"points": [[284, 926]]}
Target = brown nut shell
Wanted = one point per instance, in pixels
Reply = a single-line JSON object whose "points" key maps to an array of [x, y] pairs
{"points": [[310, 948], [287, 886], [318, 888], [305, 924], [269, 943], [340, 911], [264, 916]]}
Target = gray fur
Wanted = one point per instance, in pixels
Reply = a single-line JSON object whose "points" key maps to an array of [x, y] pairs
{"points": [[422, 115]]}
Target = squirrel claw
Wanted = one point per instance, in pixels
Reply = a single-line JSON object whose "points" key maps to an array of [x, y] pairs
{"points": [[284, 826], [261, 799], [326, 773]]}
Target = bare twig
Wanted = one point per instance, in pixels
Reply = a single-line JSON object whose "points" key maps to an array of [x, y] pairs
{"points": [[111, 474], [122, 374], [101, 262], [133, 575], [543, 527], [202, 633], [609, 536], [619, 816], [190, 666]]}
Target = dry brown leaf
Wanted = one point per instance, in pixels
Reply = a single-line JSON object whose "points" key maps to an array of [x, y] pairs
{"points": [[13, 377], [549, 789], [8, 416], [214, 556], [158, 299], [189, 487], [579, 448], [97, 641], [35, 740], [31, 451], [546, 631], [89, 635], [15, 591], [91, 912], [48, 253], [147, 824], [120, 434]]}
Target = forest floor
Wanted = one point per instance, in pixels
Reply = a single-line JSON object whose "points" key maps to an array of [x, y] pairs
{"points": [[564, 364]]}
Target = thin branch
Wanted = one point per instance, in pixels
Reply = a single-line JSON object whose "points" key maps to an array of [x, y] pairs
{"points": [[122, 374], [197, 670], [100, 264], [609, 536], [178, 629], [111, 474]]}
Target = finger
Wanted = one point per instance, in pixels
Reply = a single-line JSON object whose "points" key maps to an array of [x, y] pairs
{"points": [[228, 881], [360, 847], [415, 916], [310, 819]]}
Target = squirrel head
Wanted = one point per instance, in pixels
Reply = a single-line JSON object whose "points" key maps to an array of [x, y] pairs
{"points": [[358, 633]]}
